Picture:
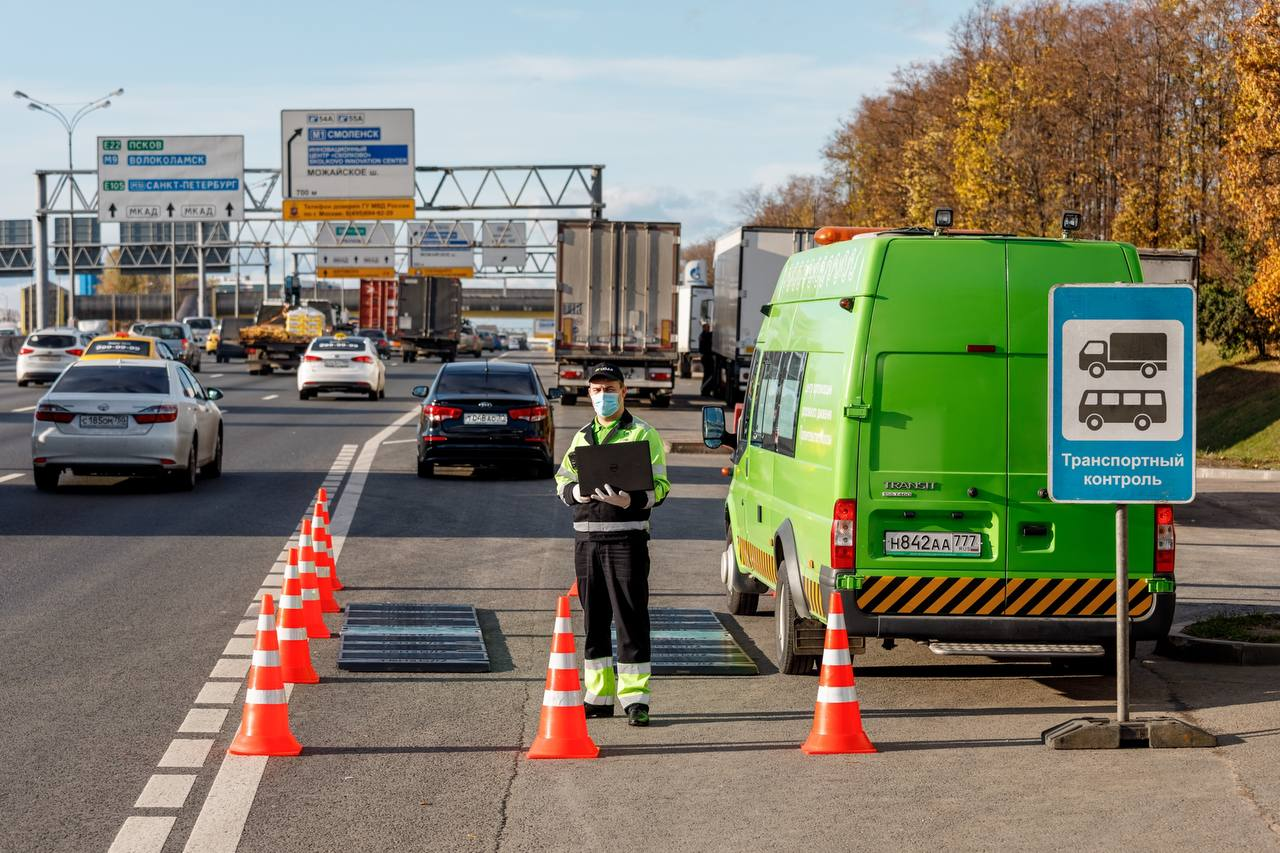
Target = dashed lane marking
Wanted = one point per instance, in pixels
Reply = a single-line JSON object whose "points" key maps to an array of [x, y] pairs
{"points": [[402, 441], [7, 477], [216, 375], [26, 409], [271, 396]]}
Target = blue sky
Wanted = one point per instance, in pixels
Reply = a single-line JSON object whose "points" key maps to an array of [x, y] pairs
{"points": [[686, 104]]}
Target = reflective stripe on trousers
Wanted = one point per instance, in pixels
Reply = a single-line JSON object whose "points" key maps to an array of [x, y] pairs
{"points": [[609, 526], [598, 679], [633, 683]]}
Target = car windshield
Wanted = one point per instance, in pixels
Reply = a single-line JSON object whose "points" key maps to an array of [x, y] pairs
{"points": [[112, 379], [201, 323], [485, 382], [168, 333], [372, 333], [338, 345], [51, 341], [119, 346]]}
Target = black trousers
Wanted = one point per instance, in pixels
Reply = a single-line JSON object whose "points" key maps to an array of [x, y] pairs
{"points": [[613, 581], [709, 379]]}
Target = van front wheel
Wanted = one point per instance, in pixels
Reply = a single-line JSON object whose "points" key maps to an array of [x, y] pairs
{"points": [[790, 661]]}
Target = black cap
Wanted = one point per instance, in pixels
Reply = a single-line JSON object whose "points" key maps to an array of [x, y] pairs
{"points": [[604, 370]]}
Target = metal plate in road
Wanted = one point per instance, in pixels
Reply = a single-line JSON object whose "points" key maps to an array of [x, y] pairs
{"points": [[412, 638], [693, 642]]}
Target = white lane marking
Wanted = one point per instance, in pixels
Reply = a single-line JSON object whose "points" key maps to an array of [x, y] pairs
{"points": [[238, 647], [7, 477], [165, 791], [230, 668], [247, 626], [186, 752], [216, 375], [204, 721], [221, 820], [402, 441], [26, 409], [218, 692], [142, 835], [271, 396], [344, 512]]}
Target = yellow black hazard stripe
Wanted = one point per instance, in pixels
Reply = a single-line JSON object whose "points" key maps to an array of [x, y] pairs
{"points": [[757, 560], [813, 594], [952, 596]]}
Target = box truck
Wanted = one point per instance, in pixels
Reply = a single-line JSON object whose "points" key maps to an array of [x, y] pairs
{"points": [[748, 261], [615, 302], [694, 306], [429, 317]]}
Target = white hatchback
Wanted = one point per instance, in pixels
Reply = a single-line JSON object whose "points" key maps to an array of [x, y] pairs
{"points": [[342, 365], [48, 352]]}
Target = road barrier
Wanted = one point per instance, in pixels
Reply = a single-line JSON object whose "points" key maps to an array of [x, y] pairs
{"points": [[837, 717], [562, 728], [295, 648], [322, 510], [264, 728], [316, 629]]}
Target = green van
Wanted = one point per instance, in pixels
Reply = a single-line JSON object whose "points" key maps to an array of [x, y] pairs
{"points": [[892, 447]]}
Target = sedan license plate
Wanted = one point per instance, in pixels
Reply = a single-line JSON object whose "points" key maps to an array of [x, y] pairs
{"points": [[334, 362], [484, 418], [104, 421], [918, 544]]}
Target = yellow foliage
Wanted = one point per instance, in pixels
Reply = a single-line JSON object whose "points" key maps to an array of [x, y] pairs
{"points": [[1264, 294], [1253, 153]]}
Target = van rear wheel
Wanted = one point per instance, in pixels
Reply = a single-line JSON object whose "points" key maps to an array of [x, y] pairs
{"points": [[790, 661], [738, 603]]}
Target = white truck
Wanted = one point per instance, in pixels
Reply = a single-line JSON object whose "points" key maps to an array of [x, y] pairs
{"points": [[695, 305], [748, 261], [615, 302]]}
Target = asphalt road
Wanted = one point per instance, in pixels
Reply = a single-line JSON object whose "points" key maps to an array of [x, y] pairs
{"points": [[120, 600]]}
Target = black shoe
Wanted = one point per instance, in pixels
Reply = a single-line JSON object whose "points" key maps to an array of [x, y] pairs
{"points": [[594, 710], [638, 715]]}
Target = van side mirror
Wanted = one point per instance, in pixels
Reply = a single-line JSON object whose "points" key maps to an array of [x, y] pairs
{"points": [[419, 391], [713, 428]]}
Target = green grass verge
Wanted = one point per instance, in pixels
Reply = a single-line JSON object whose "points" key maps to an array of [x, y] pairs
{"points": [[1247, 628], [1237, 411]]}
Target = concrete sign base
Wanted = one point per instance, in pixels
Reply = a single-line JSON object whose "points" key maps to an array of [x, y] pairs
{"points": [[1103, 733]]}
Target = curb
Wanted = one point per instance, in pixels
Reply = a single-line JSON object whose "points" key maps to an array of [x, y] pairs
{"points": [[1185, 647], [1256, 475]]}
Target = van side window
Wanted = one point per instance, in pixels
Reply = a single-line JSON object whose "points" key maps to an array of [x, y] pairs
{"points": [[765, 412], [789, 402], [744, 421]]}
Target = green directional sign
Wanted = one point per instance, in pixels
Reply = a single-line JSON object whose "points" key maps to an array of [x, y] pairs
{"points": [[146, 144], [111, 145]]}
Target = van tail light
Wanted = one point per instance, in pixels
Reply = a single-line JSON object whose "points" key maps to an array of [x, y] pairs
{"points": [[26, 351], [363, 359], [1166, 540], [570, 373], [76, 352], [437, 414], [310, 357], [162, 414], [844, 520], [534, 414], [56, 414]]}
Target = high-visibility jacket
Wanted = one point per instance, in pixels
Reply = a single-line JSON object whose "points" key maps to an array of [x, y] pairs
{"points": [[600, 520]]}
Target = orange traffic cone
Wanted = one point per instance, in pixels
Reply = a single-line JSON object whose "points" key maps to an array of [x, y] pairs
{"points": [[837, 719], [323, 560], [316, 629], [573, 590], [322, 510], [295, 650], [264, 728], [562, 730]]}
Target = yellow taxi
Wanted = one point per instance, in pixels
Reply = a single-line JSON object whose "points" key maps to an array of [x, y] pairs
{"points": [[123, 345]]}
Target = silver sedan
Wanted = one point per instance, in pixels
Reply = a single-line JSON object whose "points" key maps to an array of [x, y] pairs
{"points": [[127, 417]]}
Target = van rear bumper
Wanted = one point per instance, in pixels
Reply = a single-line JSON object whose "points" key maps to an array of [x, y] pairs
{"points": [[1008, 629]]}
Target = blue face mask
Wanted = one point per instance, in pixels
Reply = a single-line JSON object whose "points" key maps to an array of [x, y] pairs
{"points": [[606, 403]]}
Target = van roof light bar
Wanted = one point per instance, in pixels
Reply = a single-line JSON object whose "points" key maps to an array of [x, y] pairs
{"points": [[1071, 221], [943, 218]]}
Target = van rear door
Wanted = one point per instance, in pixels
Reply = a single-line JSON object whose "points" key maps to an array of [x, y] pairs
{"points": [[933, 447], [1061, 556]]}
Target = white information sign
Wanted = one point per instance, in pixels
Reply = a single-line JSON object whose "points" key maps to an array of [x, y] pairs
{"points": [[356, 249], [503, 245], [442, 247], [345, 156], [170, 178]]}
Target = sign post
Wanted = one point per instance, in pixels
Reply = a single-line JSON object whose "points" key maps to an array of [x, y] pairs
{"points": [[1122, 431]]}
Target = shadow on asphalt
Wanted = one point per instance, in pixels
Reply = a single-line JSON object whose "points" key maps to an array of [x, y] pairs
{"points": [[1253, 510], [761, 660], [494, 642]]}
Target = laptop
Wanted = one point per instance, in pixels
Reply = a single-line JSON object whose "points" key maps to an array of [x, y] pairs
{"points": [[625, 466]]}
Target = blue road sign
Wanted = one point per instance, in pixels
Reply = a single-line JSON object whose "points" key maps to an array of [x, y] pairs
{"points": [[1122, 379]]}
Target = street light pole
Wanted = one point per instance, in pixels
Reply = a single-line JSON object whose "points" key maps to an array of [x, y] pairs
{"points": [[69, 124]]}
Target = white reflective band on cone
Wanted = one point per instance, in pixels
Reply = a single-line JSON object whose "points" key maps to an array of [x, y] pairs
{"points": [[591, 664], [561, 698], [291, 633], [290, 602], [629, 699], [635, 668], [835, 620], [562, 660], [311, 595], [265, 697], [265, 658], [306, 567], [266, 622], [322, 571], [837, 694], [564, 625], [835, 657]]}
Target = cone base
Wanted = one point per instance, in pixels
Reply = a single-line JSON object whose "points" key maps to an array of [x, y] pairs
{"points": [[301, 677], [277, 745], [330, 606], [320, 633], [827, 744], [563, 748]]}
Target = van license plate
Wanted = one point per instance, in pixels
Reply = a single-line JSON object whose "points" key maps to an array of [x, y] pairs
{"points": [[917, 544]]}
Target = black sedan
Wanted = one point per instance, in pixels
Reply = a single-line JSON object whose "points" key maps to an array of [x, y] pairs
{"points": [[489, 414], [380, 342]]}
